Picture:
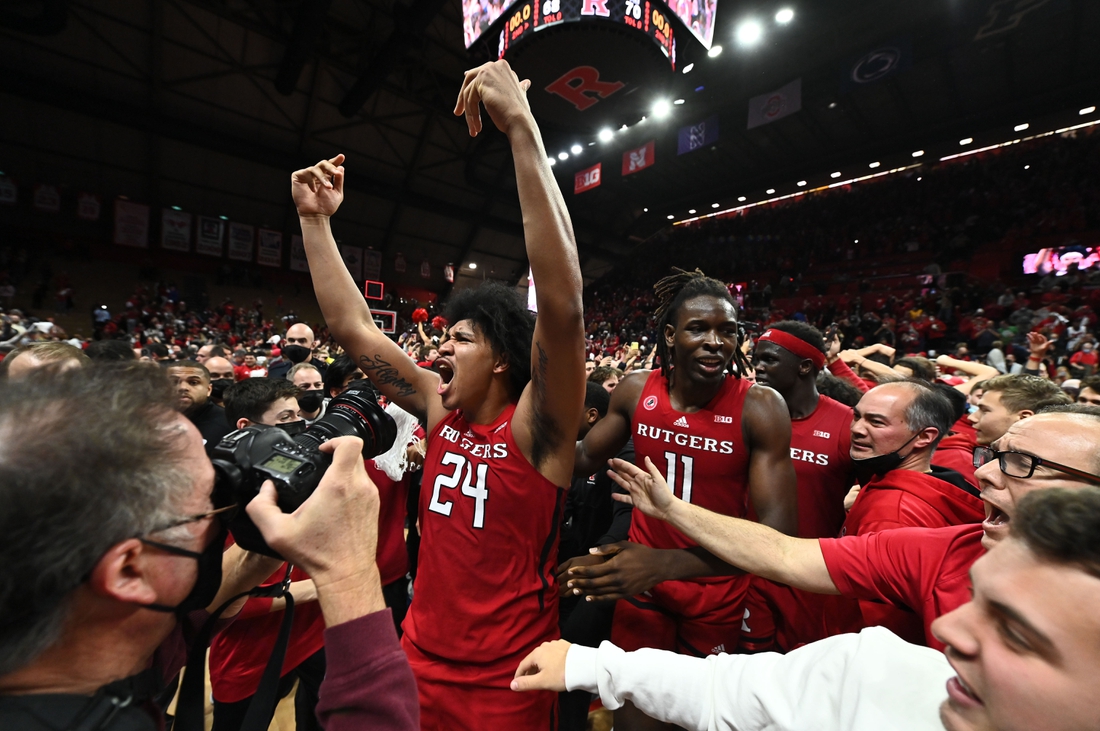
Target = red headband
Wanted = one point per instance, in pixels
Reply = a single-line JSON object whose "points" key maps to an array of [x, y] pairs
{"points": [[796, 345]]}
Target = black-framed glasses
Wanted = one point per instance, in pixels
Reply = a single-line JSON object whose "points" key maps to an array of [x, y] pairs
{"points": [[1022, 465], [226, 514]]}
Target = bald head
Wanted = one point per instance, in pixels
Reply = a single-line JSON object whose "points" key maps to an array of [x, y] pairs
{"points": [[219, 367], [300, 334]]}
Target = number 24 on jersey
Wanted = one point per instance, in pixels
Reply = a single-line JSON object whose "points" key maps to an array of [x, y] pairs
{"points": [[472, 479]]}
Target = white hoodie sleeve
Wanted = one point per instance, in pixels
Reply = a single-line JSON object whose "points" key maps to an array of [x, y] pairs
{"points": [[857, 682]]}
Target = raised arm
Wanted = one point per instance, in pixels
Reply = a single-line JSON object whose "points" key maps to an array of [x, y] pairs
{"points": [[977, 371], [318, 192], [549, 410], [766, 423]]}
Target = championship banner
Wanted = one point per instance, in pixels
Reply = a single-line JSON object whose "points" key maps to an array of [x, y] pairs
{"points": [[881, 62], [587, 179], [425, 269], [639, 159], [131, 224], [88, 206], [697, 136], [372, 265], [47, 199], [240, 241], [210, 235], [353, 260], [270, 252], [175, 230], [298, 261], [782, 102]]}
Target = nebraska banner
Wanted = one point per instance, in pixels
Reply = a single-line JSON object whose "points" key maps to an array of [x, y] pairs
{"points": [[175, 230], [639, 159], [298, 261], [776, 104], [587, 179], [131, 224], [240, 241], [271, 248], [210, 235]]}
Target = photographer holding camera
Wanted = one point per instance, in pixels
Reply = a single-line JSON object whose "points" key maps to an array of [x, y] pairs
{"points": [[112, 550]]}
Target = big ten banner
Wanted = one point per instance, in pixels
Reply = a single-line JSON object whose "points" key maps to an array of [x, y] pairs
{"points": [[298, 260], [131, 224], [210, 236], [175, 230], [353, 260], [270, 252], [240, 241], [587, 179], [372, 264]]}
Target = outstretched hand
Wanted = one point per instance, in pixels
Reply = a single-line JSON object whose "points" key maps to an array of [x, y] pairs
{"points": [[319, 190], [544, 668], [496, 86], [648, 491], [1038, 344]]}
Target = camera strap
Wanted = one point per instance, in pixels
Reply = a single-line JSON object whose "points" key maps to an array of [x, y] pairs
{"points": [[189, 708]]}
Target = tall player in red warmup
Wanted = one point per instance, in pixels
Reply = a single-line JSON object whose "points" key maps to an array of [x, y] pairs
{"points": [[788, 357], [501, 422], [721, 443]]}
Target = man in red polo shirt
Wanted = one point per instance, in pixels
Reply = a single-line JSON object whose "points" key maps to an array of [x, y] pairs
{"points": [[924, 570]]}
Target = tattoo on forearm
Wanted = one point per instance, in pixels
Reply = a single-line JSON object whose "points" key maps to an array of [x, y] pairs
{"points": [[384, 374], [546, 433]]}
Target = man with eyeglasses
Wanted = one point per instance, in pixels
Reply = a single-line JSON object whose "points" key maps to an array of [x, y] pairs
{"points": [[112, 554], [924, 570], [1021, 655]]}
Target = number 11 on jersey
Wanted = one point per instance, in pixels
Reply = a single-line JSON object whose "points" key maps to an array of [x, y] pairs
{"points": [[687, 463]]}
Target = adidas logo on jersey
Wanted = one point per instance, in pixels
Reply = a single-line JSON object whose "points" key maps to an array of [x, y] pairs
{"points": [[719, 419], [681, 422], [822, 434]]}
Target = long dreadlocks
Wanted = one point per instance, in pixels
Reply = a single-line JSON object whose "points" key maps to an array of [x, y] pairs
{"points": [[675, 289]]}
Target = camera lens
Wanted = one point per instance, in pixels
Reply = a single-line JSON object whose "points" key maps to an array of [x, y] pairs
{"points": [[354, 413]]}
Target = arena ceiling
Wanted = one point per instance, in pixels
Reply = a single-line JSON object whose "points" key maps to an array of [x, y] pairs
{"points": [[208, 104]]}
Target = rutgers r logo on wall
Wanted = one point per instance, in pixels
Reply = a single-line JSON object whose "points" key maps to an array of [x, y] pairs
{"points": [[582, 87]]}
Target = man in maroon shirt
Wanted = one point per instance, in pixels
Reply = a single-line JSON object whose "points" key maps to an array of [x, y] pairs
{"points": [[924, 570], [124, 540]]}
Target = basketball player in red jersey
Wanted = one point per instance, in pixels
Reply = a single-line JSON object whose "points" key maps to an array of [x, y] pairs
{"points": [[501, 414], [721, 444], [788, 357]]}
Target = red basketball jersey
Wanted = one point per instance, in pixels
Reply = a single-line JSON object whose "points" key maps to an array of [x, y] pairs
{"points": [[485, 587], [820, 451], [702, 455]]}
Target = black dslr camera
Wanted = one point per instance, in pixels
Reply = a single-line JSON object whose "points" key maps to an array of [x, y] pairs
{"points": [[244, 459]]}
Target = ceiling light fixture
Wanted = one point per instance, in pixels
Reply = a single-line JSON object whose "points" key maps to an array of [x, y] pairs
{"points": [[661, 108], [576, 149], [670, 216], [473, 265], [687, 69], [678, 102], [715, 205], [966, 141], [801, 183], [874, 164], [769, 191], [1087, 110], [741, 199], [715, 51], [834, 175], [1021, 127], [749, 33], [605, 135], [563, 156], [918, 153], [784, 16]]}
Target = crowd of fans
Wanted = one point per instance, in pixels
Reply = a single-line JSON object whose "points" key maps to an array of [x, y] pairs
{"points": [[911, 407]]}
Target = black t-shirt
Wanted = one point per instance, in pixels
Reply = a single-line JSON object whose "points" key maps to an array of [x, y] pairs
{"points": [[211, 422]]}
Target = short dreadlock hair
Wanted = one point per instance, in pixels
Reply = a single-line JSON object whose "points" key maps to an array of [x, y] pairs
{"points": [[503, 318], [672, 292]]}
